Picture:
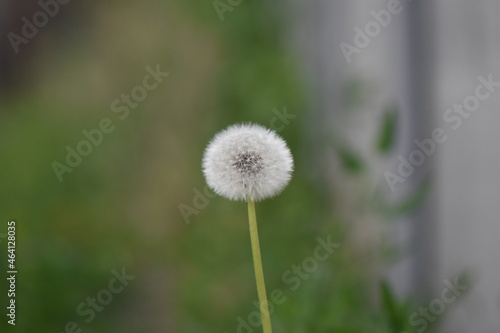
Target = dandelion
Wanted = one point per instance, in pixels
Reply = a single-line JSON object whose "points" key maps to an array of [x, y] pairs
{"points": [[249, 162]]}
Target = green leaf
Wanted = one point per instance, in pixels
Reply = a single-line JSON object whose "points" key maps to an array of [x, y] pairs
{"points": [[408, 204], [351, 161], [390, 304], [387, 134]]}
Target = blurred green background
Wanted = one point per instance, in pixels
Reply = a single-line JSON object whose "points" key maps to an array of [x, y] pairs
{"points": [[122, 206]]}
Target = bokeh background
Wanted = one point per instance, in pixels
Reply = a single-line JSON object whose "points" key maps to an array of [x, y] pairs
{"points": [[348, 88]]}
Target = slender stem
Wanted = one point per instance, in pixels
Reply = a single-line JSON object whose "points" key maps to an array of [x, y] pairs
{"points": [[259, 272]]}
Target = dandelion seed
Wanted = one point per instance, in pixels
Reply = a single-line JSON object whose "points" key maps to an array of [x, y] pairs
{"points": [[247, 162]]}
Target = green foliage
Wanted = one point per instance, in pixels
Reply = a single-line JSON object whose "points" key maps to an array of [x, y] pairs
{"points": [[396, 312], [64, 251], [387, 136], [408, 204], [351, 161]]}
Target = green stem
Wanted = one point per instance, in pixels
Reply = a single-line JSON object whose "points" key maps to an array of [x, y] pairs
{"points": [[259, 272]]}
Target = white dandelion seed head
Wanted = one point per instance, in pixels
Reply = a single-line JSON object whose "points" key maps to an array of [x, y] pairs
{"points": [[247, 161]]}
